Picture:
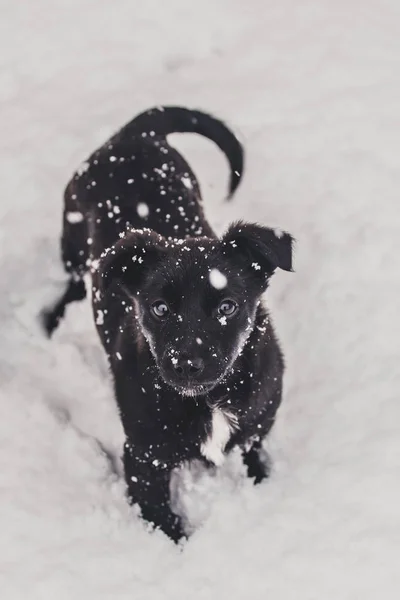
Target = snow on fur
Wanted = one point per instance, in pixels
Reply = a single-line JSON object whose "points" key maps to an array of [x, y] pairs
{"points": [[310, 88]]}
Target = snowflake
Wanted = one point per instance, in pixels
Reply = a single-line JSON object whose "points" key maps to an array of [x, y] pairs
{"points": [[142, 210], [74, 217], [217, 279]]}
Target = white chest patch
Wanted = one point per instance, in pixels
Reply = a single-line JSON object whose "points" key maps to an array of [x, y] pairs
{"points": [[223, 423]]}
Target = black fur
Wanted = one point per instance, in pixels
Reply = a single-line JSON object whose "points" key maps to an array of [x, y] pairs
{"points": [[173, 371]]}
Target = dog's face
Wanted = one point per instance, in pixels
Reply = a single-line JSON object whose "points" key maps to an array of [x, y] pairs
{"points": [[196, 299]]}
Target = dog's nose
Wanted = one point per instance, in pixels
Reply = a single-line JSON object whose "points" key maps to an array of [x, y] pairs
{"points": [[188, 367]]}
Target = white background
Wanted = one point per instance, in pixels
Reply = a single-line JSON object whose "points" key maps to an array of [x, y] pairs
{"points": [[313, 89]]}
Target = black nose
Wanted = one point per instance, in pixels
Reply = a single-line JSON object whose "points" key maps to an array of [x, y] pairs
{"points": [[188, 367]]}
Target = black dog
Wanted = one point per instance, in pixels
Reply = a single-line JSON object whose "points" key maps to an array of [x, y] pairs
{"points": [[196, 365]]}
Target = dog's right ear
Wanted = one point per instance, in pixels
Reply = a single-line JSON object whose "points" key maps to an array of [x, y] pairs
{"points": [[258, 250], [130, 258]]}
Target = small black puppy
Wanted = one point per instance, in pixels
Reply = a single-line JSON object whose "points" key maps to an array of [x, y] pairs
{"points": [[196, 365]]}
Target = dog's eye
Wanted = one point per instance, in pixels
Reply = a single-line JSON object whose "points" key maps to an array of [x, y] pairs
{"points": [[227, 308], [160, 309]]}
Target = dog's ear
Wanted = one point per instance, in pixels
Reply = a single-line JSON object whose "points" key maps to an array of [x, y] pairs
{"points": [[128, 260], [258, 249]]}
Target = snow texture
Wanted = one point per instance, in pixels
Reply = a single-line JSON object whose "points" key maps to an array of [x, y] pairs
{"points": [[313, 89]]}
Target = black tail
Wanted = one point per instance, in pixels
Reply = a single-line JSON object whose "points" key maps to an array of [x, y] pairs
{"points": [[162, 120]]}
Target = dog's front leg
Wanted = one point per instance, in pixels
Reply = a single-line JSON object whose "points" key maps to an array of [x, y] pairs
{"points": [[148, 481], [256, 461]]}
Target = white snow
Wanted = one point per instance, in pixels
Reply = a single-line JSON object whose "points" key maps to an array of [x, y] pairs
{"points": [[217, 279], [142, 210], [74, 217], [82, 168], [313, 89], [186, 182], [278, 232]]}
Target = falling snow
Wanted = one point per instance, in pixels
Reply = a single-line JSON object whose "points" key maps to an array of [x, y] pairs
{"points": [[83, 167], [142, 210], [74, 217], [186, 182], [217, 279]]}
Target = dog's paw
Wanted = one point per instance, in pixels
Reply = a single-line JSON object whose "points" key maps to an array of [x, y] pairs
{"points": [[257, 463], [49, 321]]}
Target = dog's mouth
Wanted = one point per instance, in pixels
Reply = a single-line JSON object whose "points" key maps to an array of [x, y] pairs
{"points": [[194, 386], [190, 389]]}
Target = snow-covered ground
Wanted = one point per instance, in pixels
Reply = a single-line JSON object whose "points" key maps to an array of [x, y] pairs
{"points": [[313, 88]]}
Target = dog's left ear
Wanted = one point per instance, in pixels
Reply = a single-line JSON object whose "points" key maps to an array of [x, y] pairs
{"points": [[259, 249], [131, 258]]}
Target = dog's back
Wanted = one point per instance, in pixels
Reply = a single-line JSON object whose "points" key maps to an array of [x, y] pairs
{"points": [[137, 180]]}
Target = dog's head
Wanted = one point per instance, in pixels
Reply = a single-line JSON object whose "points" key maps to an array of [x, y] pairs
{"points": [[196, 299]]}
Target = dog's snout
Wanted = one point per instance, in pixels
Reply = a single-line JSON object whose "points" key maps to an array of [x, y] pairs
{"points": [[186, 367]]}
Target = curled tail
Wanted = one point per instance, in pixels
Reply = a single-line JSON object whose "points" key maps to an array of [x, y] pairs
{"points": [[163, 120]]}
